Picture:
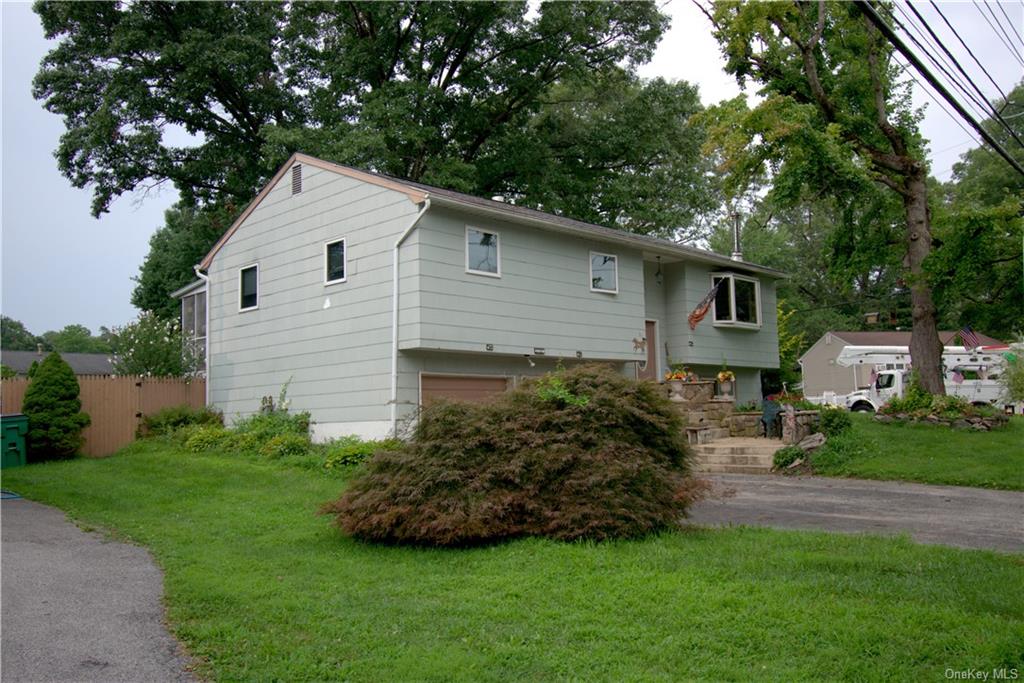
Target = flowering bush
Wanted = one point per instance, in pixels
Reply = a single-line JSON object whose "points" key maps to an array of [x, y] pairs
{"points": [[151, 346], [796, 400], [726, 376]]}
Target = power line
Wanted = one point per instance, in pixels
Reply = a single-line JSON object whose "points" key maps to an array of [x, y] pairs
{"points": [[1008, 46], [1009, 22], [969, 51], [995, 114], [869, 11], [999, 25], [979, 105]]}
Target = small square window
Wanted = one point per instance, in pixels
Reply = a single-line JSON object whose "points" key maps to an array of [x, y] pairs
{"points": [[483, 252], [248, 286], [604, 273], [334, 262]]}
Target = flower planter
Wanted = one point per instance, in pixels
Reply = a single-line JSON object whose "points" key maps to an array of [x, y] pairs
{"points": [[725, 388]]}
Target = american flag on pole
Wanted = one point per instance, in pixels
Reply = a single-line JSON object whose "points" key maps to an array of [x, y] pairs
{"points": [[702, 308], [969, 339]]}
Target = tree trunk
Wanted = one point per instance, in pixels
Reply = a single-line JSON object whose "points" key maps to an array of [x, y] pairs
{"points": [[925, 346]]}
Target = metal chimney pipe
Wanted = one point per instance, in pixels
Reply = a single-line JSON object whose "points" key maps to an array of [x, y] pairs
{"points": [[737, 255]]}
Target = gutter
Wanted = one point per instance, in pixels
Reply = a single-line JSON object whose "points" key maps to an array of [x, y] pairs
{"points": [[394, 315], [206, 338]]}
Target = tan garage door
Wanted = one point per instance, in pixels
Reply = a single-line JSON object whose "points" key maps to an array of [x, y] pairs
{"points": [[459, 387]]}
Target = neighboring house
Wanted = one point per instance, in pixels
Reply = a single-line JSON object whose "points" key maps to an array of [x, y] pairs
{"points": [[821, 373], [81, 363], [369, 296]]}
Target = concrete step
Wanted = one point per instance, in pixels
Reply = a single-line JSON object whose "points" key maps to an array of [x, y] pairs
{"points": [[717, 448], [732, 469], [731, 459]]}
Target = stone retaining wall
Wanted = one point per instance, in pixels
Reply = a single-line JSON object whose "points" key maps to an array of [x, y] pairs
{"points": [[745, 424], [981, 424], [797, 425]]}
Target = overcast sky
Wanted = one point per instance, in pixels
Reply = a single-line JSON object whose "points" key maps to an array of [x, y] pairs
{"points": [[62, 266]]}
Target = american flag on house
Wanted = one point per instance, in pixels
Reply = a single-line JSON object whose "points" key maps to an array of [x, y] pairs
{"points": [[969, 339]]}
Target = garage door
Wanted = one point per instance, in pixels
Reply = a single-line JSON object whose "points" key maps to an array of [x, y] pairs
{"points": [[459, 388]]}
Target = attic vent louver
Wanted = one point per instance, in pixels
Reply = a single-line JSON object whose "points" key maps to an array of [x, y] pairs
{"points": [[296, 178]]}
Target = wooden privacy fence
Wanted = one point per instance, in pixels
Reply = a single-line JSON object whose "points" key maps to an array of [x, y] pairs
{"points": [[115, 404]]}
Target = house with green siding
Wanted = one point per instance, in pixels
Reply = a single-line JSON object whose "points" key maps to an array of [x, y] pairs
{"points": [[370, 296]]}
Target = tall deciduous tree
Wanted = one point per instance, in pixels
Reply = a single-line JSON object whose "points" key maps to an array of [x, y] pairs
{"points": [[835, 118], [977, 271], [14, 336], [441, 92], [75, 339], [183, 240]]}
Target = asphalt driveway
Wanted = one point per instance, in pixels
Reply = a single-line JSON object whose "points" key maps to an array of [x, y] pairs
{"points": [[79, 607], [948, 515]]}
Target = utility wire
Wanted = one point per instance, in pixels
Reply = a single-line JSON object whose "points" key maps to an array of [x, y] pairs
{"points": [[872, 15], [978, 105], [998, 35], [994, 112], [969, 51], [999, 24], [1009, 22]]}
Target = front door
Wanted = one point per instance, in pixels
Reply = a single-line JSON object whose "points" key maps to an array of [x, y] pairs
{"points": [[649, 369]]}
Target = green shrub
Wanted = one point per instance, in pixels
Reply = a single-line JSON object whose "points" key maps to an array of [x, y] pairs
{"points": [[523, 466], [207, 438], [285, 444], [275, 422], [835, 421], [351, 450], [551, 388], [54, 411], [784, 457], [244, 442], [167, 420]]}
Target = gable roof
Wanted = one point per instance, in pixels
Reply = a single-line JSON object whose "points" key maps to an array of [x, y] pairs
{"points": [[900, 338], [81, 363], [418, 193]]}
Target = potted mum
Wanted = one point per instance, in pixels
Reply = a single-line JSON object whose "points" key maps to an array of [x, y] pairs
{"points": [[726, 379], [676, 376]]}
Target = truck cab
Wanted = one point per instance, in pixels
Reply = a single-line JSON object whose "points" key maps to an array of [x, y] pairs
{"points": [[887, 384]]}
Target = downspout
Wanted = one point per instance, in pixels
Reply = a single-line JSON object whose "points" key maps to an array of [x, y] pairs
{"points": [[206, 338], [394, 315]]}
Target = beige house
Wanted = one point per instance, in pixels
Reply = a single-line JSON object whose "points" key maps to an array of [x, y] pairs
{"points": [[821, 373]]}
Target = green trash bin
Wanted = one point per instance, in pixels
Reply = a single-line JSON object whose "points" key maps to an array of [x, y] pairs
{"points": [[13, 429]]}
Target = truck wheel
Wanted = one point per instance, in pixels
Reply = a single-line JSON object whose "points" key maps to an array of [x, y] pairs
{"points": [[862, 408]]}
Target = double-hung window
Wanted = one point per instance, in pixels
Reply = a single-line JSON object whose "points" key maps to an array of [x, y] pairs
{"points": [[604, 273], [483, 252], [737, 301], [248, 288], [334, 262]]}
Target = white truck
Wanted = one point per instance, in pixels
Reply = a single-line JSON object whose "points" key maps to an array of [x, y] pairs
{"points": [[971, 375]]}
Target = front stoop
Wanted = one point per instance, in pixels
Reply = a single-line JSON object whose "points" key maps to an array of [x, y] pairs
{"points": [[736, 455]]}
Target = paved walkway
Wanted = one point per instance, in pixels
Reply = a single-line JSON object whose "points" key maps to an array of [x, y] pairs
{"points": [[79, 607], [948, 515]]}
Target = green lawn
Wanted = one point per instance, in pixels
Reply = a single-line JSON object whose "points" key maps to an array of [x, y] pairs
{"points": [[261, 588], [928, 453]]}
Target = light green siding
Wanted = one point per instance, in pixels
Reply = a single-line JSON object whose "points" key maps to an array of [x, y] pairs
{"points": [[685, 285], [542, 299], [331, 342]]}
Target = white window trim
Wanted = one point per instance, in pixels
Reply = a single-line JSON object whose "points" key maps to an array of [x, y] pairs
{"points": [[344, 262], [243, 268], [465, 246], [732, 322], [590, 260]]}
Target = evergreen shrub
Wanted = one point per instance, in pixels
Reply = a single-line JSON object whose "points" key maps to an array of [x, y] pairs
{"points": [[54, 411]]}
